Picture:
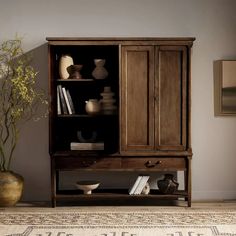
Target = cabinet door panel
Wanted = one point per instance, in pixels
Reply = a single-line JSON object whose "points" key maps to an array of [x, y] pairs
{"points": [[137, 94], [171, 89]]}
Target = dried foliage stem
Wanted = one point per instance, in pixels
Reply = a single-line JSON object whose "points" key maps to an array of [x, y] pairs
{"points": [[19, 97]]}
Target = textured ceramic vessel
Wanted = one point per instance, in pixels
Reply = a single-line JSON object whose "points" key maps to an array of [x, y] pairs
{"points": [[168, 185], [100, 71], [74, 71], [92, 106], [107, 101], [11, 188], [65, 61]]}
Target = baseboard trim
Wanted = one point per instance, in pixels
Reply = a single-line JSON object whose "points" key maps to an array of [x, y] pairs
{"points": [[213, 195]]}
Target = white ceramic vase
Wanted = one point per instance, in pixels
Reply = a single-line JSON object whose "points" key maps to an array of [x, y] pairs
{"points": [[65, 61]]}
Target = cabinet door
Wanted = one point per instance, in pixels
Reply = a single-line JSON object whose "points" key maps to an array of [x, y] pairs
{"points": [[171, 91], [137, 98]]}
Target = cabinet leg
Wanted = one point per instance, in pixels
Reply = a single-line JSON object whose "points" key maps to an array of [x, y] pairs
{"points": [[188, 182], [53, 202], [53, 183], [189, 202]]}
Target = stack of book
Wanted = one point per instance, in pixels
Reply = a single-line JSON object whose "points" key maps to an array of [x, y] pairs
{"points": [[65, 104], [86, 146], [139, 185]]}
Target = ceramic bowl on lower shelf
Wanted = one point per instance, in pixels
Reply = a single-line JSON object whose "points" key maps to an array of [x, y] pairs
{"points": [[87, 186]]}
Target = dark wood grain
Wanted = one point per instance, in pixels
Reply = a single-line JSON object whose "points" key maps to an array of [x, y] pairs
{"points": [[172, 98], [137, 94], [154, 164], [86, 163]]}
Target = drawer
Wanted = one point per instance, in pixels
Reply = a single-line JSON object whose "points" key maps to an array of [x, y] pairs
{"points": [[162, 164], [71, 163]]}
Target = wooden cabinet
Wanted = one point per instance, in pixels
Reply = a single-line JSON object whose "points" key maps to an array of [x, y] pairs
{"points": [[149, 131]]}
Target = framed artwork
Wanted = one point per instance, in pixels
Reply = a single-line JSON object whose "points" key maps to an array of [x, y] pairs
{"points": [[225, 87]]}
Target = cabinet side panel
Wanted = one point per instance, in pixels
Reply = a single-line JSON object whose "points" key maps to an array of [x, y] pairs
{"points": [[172, 98], [137, 97], [52, 97]]}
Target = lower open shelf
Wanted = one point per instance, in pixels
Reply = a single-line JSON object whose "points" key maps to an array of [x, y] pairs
{"points": [[116, 193], [118, 197]]}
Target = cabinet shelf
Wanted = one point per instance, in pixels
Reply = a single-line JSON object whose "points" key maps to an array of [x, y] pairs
{"points": [[116, 193], [75, 80], [87, 116], [79, 153], [118, 197]]}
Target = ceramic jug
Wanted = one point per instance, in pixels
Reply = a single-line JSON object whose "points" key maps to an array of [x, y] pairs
{"points": [[92, 106]]}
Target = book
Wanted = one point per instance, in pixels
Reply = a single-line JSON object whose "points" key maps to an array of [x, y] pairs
{"points": [[70, 101], [141, 184], [133, 188], [58, 102], [62, 99], [86, 146], [67, 101]]}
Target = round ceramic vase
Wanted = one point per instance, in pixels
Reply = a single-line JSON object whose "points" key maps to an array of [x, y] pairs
{"points": [[11, 187]]}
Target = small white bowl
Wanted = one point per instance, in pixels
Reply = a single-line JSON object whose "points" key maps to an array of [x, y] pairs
{"points": [[87, 186]]}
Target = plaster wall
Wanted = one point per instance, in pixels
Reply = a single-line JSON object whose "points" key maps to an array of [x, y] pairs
{"points": [[212, 22]]}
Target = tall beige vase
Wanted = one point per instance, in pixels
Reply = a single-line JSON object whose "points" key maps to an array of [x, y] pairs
{"points": [[65, 61], [11, 188]]}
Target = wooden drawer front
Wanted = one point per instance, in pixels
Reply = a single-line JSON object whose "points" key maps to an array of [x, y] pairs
{"points": [[87, 163], [163, 164]]}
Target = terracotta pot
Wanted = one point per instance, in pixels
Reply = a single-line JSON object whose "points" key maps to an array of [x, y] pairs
{"points": [[11, 188]]}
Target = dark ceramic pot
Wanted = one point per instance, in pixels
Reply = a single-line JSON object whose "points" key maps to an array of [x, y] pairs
{"points": [[11, 187], [74, 71], [168, 185]]}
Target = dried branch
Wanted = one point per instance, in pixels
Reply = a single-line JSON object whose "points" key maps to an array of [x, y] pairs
{"points": [[19, 97]]}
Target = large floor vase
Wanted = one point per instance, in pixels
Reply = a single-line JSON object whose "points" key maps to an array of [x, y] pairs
{"points": [[11, 188]]}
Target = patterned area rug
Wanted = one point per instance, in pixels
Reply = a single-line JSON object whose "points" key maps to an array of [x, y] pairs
{"points": [[117, 221]]}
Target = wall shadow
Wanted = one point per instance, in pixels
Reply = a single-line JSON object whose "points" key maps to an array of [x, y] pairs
{"points": [[32, 160]]}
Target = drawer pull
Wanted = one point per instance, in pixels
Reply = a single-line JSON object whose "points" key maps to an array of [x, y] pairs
{"points": [[149, 164], [88, 163]]}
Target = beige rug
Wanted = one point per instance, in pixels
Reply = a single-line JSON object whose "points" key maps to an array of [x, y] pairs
{"points": [[117, 221]]}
